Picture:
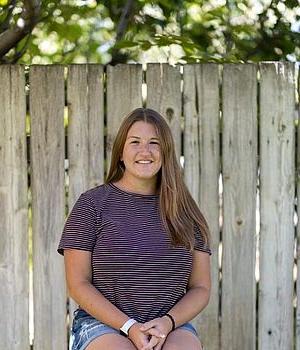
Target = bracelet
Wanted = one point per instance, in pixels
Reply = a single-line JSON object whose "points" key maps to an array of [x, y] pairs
{"points": [[172, 319], [126, 326]]}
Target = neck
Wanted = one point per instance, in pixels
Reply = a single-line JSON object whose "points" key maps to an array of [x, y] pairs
{"points": [[142, 186]]}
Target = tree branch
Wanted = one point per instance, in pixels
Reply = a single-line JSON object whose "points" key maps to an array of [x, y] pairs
{"points": [[228, 32], [29, 17], [20, 53], [122, 25], [5, 24], [116, 55]]}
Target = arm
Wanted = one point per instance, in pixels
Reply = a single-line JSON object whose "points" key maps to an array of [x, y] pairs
{"points": [[198, 290], [194, 301], [79, 277]]}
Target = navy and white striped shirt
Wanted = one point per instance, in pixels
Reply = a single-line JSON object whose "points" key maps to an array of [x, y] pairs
{"points": [[133, 263]]}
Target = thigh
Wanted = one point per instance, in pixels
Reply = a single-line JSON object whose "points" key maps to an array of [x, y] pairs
{"points": [[181, 339], [89, 333], [111, 342]]}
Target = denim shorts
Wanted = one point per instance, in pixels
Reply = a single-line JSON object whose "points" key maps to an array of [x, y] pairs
{"points": [[86, 328]]}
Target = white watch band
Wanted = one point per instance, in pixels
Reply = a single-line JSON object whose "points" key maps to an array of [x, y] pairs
{"points": [[125, 328]]}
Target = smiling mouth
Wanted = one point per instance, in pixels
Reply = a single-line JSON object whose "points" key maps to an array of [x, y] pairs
{"points": [[144, 161]]}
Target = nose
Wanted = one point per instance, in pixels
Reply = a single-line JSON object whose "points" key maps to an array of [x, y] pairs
{"points": [[145, 148]]}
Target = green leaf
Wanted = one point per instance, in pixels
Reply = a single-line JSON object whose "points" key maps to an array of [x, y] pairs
{"points": [[122, 44]]}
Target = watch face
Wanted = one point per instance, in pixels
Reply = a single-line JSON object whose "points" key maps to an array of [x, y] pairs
{"points": [[123, 333]]}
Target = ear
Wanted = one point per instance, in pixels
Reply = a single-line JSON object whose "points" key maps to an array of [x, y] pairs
{"points": [[121, 157]]}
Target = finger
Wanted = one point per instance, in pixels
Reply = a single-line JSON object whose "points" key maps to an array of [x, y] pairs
{"points": [[147, 347], [147, 325], [156, 332], [145, 344], [153, 342], [157, 347]]}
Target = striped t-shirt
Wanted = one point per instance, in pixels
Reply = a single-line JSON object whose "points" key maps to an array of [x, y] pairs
{"points": [[133, 263]]}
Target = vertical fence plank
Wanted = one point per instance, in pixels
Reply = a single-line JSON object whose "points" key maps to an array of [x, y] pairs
{"points": [[124, 93], [239, 150], [85, 133], [277, 178], [201, 171], [14, 287], [48, 205], [85, 129], [191, 137], [164, 95], [297, 174], [78, 132], [77, 140], [96, 124]]}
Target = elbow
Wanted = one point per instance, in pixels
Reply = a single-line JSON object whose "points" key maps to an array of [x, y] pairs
{"points": [[204, 295], [207, 297], [75, 288], [71, 292], [71, 288]]}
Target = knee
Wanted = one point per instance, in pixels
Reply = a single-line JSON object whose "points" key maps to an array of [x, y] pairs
{"points": [[172, 346], [111, 341]]}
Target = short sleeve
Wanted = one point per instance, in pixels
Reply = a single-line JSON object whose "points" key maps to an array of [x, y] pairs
{"points": [[79, 231], [200, 243]]}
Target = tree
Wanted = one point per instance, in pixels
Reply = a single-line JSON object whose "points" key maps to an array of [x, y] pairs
{"points": [[117, 31], [11, 35]]}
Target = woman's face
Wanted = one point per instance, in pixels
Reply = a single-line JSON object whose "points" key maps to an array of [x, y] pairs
{"points": [[141, 152]]}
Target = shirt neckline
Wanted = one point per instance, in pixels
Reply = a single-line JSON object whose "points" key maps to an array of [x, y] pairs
{"points": [[134, 194]]}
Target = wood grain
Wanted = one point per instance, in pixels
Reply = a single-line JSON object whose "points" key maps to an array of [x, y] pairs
{"points": [[124, 94], [48, 205], [277, 186], [164, 95], [208, 107], [14, 286], [201, 174], [85, 133], [239, 171]]}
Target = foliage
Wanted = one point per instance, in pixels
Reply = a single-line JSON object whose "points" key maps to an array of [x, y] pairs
{"points": [[115, 31]]}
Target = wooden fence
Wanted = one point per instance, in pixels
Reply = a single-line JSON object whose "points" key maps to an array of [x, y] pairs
{"points": [[236, 127]]}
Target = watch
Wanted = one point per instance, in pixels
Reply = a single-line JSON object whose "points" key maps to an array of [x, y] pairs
{"points": [[125, 328]]}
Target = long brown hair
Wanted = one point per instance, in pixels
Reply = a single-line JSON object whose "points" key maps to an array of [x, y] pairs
{"points": [[179, 212]]}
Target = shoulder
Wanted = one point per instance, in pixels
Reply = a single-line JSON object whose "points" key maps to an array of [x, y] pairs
{"points": [[96, 191], [97, 196]]}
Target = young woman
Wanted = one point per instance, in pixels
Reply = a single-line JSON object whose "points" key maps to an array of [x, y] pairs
{"points": [[136, 248]]}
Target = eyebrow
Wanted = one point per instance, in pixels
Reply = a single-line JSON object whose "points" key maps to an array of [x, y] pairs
{"points": [[137, 137]]}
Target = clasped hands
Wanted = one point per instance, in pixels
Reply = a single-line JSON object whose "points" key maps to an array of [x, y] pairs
{"points": [[150, 335]]}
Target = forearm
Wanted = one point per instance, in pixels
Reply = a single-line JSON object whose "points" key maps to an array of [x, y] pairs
{"points": [[190, 305], [94, 303]]}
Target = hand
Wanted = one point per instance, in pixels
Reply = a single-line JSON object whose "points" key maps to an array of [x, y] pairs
{"points": [[141, 339], [160, 325]]}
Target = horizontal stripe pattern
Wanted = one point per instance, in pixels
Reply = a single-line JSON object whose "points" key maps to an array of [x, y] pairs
{"points": [[133, 263]]}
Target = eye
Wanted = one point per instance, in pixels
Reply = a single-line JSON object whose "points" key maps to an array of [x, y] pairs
{"points": [[134, 141], [154, 142]]}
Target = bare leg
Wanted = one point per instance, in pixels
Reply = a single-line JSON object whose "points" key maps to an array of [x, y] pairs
{"points": [[181, 339], [111, 342]]}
